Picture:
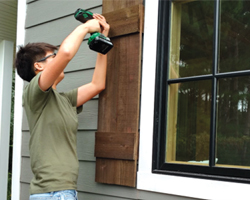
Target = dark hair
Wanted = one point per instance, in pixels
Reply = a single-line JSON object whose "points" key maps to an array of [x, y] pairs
{"points": [[28, 55]]}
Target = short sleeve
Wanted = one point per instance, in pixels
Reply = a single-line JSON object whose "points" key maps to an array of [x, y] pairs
{"points": [[72, 96], [34, 96]]}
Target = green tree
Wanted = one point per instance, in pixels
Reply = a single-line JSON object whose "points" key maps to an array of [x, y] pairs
{"points": [[11, 136]]}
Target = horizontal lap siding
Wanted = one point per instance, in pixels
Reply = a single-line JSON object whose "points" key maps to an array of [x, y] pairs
{"points": [[82, 59], [24, 191], [51, 21], [75, 79], [54, 31], [47, 10]]}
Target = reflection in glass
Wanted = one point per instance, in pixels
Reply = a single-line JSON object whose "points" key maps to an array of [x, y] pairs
{"points": [[191, 48], [188, 126], [234, 36], [233, 121]]}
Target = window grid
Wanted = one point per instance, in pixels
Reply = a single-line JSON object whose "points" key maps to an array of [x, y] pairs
{"points": [[160, 115]]}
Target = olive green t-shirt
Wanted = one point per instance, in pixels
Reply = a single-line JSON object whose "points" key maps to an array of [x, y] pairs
{"points": [[53, 122]]}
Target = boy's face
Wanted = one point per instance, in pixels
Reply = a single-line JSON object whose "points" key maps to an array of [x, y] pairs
{"points": [[49, 57]]}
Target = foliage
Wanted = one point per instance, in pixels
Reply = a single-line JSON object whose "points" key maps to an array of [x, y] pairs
{"points": [[11, 135], [233, 93], [9, 187]]}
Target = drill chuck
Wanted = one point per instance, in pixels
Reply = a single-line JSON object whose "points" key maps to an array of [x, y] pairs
{"points": [[97, 41]]}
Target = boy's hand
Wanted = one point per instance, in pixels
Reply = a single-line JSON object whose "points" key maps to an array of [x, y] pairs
{"points": [[93, 25], [104, 25]]}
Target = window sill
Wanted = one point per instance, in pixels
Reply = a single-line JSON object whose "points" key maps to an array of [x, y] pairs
{"points": [[192, 187]]}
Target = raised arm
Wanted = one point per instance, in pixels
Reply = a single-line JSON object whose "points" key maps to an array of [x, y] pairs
{"points": [[88, 91], [67, 50]]}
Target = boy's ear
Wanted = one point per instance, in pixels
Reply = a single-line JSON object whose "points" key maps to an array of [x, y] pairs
{"points": [[38, 66]]}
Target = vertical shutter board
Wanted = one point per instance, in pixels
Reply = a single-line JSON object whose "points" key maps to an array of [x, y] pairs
{"points": [[111, 5], [119, 107], [119, 102], [128, 90], [119, 172], [107, 98]]}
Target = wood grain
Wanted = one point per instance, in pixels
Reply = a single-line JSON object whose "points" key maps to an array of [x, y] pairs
{"points": [[119, 172], [119, 102], [115, 145], [113, 5], [125, 21]]}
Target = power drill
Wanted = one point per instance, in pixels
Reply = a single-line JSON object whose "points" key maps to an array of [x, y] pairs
{"points": [[97, 41]]}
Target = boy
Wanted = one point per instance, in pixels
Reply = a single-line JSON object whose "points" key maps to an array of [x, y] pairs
{"points": [[52, 116]]}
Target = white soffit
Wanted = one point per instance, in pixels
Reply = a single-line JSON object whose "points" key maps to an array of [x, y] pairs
{"points": [[8, 18]]}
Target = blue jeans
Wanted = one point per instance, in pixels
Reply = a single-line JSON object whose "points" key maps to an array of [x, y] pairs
{"points": [[62, 195]]}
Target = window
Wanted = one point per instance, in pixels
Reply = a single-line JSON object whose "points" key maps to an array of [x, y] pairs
{"points": [[202, 91]]}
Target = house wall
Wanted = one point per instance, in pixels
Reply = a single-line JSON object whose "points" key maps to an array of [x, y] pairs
{"points": [[52, 21]]}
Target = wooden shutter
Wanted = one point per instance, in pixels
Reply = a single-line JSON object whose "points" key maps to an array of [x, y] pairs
{"points": [[116, 143]]}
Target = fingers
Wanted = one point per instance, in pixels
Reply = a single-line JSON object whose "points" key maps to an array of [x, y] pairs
{"points": [[93, 25], [102, 21], [103, 24], [99, 17]]}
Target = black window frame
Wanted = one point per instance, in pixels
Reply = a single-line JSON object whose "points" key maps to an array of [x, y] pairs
{"points": [[160, 110]]}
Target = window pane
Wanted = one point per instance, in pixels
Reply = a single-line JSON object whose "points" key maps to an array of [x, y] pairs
{"points": [[233, 121], [188, 126], [191, 48], [234, 36]]}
